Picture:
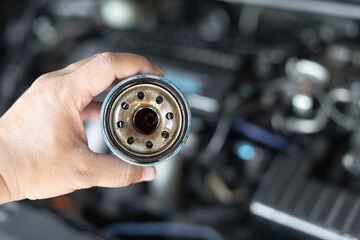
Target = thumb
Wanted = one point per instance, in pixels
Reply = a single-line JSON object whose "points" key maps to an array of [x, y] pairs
{"points": [[110, 171]]}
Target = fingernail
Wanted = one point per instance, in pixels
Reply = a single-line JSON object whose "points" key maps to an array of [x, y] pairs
{"points": [[161, 72], [148, 174]]}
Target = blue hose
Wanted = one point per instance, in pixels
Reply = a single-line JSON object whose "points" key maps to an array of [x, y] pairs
{"points": [[163, 230], [261, 135]]}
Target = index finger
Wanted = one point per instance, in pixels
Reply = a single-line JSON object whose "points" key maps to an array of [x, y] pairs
{"points": [[98, 74]]}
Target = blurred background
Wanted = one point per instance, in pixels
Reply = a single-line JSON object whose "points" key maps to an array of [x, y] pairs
{"points": [[275, 94]]}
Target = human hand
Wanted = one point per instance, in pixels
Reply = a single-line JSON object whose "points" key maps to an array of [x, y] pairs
{"points": [[43, 146]]}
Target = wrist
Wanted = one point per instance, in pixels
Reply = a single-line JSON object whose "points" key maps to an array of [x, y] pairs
{"points": [[5, 194]]}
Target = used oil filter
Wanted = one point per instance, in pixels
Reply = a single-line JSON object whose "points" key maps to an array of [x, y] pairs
{"points": [[145, 120]]}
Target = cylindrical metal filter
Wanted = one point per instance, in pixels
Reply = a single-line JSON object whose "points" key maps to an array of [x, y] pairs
{"points": [[145, 120]]}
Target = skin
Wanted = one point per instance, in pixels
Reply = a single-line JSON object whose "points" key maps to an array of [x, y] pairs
{"points": [[43, 146]]}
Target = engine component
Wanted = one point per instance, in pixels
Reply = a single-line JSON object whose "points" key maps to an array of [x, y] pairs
{"points": [[300, 68], [308, 79], [145, 120], [320, 209], [37, 223], [350, 160]]}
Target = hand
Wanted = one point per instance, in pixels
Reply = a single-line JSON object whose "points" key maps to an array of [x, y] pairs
{"points": [[43, 147]]}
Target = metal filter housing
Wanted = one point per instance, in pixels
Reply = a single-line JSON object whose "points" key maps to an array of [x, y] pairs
{"points": [[145, 120]]}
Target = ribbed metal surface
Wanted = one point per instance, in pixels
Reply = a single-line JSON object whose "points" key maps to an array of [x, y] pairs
{"points": [[288, 196]]}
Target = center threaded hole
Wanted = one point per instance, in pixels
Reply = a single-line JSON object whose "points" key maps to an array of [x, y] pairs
{"points": [[146, 120]]}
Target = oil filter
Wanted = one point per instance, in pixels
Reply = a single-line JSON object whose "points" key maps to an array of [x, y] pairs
{"points": [[145, 120]]}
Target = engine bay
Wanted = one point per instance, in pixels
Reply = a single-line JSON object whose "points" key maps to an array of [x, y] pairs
{"points": [[274, 93]]}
